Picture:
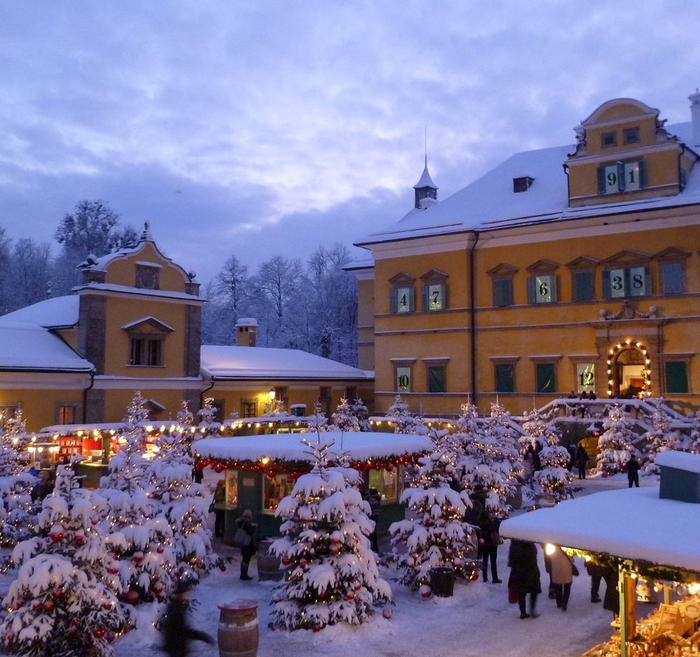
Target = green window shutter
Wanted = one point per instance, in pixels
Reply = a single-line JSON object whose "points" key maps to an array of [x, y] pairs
{"points": [[642, 173], [545, 375], [672, 277], [425, 301], [601, 180], [621, 176], [531, 290], [584, 286], [393, 300], [436, 379], [676, 376], [412, 299], [505, 378], [606, 285], [555, 287], [445, 297], [647, 281], [503, 292]]}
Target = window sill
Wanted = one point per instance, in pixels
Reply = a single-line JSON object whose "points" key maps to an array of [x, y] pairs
{"points": [[148, 366]]}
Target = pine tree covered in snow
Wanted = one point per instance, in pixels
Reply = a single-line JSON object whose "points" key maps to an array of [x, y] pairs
{"points": [[184, 504], [344, 419], [405, 421], [435, 534], [359, 410], [695, 435], [140, 534], [15, 483], [554, 478], [318, 421], [662, 438], [615, 443], [332, 574], [491, 458], [208, 424], [63, 602]]}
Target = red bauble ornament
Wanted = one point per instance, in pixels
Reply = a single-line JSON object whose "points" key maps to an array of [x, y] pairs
{"points": [[357, 586], [56, 536], [336, 541], [426, 592], [79, 539], [106, 605], [322, 594], [57, 594], [132, 597], [317, 628], [351, 596], [36, 605], [10, 638], [157, 588], [73, 631], [286, 561], [481, 542], [99, 633], [75, 621], [222, 568], [474, 576], [113, 571], [137, 558], [110, 637], [335, 549], [404, 539], [160, 549], [95, 521], [303, 563], [48, 605], [122, 521]]}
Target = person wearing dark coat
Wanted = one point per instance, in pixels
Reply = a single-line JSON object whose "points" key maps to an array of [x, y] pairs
{"points": [[633, 466], [596, 573], [611, 601], [176, 633], [572, 453], [245, 522], [524, 575], [374, 499], [581, 458], [488, 526], [216, 506]]}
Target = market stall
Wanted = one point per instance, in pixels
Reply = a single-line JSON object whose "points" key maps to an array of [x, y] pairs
{"points": [[651, 536], [260, 470]]}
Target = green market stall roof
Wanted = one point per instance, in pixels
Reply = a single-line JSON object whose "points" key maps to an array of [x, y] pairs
{"points": [[631, 524], [285, 453]]}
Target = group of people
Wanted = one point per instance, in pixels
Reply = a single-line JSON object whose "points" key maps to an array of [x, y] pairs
{"points": [[524, 580]]}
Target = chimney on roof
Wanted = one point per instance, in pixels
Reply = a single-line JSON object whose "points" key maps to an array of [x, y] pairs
{"points": [[246, 329], [695, 116]]}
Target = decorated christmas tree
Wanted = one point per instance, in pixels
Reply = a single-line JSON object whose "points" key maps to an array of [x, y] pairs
{"points": [[491, 459], [405, 421], [139, 533], [615, 443], [63, 601], [344, 419], [359, 410], [662, 438], [16, 483], [332, 574], [554, 477], [184, 504], [208, 424], [318, 422], [435, 533]]}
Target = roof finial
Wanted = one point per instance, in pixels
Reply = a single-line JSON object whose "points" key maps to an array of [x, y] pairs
{"points": [[425, 136], [146, 235]]}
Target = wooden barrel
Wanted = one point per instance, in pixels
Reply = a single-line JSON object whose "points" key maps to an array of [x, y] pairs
{"points": [[268, 563], [238, 629], [442, 581]]}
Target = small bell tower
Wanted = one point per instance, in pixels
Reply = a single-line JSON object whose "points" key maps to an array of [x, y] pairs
{"points": [[425, 188]]}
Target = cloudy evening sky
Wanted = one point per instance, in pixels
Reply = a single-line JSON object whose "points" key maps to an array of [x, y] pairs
{"points": [[268, 126]]}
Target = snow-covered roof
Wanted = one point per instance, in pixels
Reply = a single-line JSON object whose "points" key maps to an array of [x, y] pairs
{"points": [[633, 523], [679, 460], [489, 203], [59, 312], [228, 362], [425, 180], [25, 346], [360, 263], [127, 289], [288, 447]]}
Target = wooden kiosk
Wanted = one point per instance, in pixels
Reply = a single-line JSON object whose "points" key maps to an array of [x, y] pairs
{"points": [[261, 470], [648, 534]]}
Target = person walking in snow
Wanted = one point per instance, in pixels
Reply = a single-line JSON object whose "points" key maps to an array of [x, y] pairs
{"points": [[563, 570], [596, 573], [245, 539], [524, 575], [176, 633], [611, 601], [633, 466], [581, 459], [217, 507], [488, 525], [374, 499]]}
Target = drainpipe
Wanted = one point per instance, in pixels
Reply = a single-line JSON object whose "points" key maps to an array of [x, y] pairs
{"points": [[472, 303], [85, 395], [204, 392]]}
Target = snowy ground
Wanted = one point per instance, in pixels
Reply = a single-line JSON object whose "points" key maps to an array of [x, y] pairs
{"points": [[476, 622]]}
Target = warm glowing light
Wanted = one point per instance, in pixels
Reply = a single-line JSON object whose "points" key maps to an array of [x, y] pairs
{"points": [[265, 460], [694, 587], [550, 549], [272, 394]]}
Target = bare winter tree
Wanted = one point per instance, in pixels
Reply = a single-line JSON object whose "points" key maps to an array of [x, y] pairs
{"points": [[29, 273]]}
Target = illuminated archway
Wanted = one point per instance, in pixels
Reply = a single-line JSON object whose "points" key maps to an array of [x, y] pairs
{"points": [[625, 351]]}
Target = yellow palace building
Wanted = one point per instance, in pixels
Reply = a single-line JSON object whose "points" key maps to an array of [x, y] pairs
{"points": [[134, 323], [572, 268]]}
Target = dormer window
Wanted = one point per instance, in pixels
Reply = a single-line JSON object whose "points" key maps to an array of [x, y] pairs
{"points": [[522, 184], [608, 139], [147, 341], [631, 135], [619, 177]]}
